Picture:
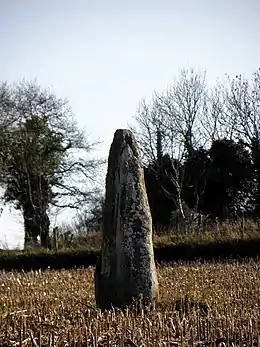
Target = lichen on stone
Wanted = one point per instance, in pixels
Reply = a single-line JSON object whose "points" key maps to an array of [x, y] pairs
{"points": [[127, 268]]}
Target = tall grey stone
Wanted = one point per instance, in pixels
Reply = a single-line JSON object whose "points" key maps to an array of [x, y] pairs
{"points": [[126, 269]]}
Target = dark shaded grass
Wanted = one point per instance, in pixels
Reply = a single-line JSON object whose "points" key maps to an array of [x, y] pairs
{"points": [[221, 252]]}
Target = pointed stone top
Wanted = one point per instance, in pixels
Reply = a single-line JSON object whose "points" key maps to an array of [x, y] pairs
{"points": [[124, 138]]}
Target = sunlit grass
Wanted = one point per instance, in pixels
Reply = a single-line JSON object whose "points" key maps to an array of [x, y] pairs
{"points": [[197, 303]]}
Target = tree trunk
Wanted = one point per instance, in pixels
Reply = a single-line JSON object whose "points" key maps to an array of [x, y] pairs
{"points": [[31, 228], [256, 164], [45, 231], [35, 226]]}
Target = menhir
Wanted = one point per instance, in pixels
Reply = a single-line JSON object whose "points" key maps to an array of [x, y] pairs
{"points": [[126, 269]]}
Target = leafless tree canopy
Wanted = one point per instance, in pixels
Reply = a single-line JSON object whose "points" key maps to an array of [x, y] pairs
{"points": [[176, 114], [189, 116]]}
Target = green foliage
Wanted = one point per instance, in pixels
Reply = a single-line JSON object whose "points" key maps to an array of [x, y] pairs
{"points": [[37, 163], [161, 189], [229, 179], [190, 304], [34, 163], [3, 309]]}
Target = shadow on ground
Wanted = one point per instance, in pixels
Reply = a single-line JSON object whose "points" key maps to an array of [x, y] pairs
{"points": [[165, 254]]}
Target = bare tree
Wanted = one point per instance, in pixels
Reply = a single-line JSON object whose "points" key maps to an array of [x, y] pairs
{"points": [[242, 97], [210, 127], [151, 130], [182, 107], [174, 117], [242, 101]]}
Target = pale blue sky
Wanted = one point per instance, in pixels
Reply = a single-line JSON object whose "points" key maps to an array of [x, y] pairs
{"points": [[104, 56]]}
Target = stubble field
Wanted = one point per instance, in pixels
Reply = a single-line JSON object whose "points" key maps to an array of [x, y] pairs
{"points": [[198, 305]]}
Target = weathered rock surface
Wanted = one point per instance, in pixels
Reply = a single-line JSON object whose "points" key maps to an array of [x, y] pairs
{"points": [[126, 269]]}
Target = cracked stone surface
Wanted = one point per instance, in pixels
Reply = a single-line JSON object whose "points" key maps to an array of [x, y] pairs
{"points": [[126, 269]]}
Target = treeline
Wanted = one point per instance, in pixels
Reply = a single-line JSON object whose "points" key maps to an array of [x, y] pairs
{"points": [[201, 149], [201, 152], [220, 182], [200, 145]]}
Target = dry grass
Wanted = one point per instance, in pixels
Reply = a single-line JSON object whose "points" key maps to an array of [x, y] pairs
{"points": [[198, 303], [226, 231]]}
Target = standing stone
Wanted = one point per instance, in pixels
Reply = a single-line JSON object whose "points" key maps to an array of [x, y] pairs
{"points": [[126, 269]]}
